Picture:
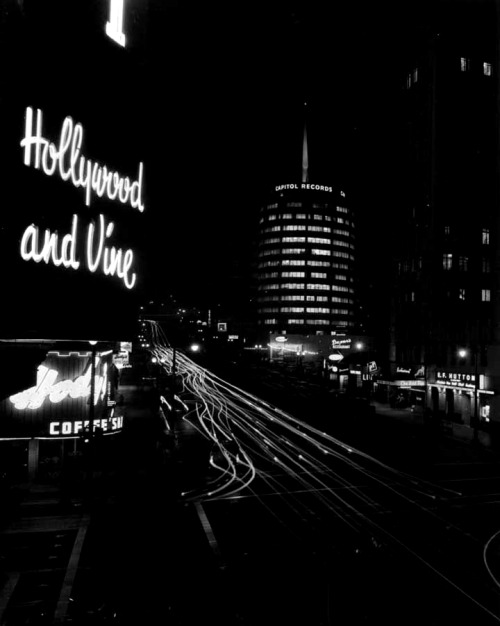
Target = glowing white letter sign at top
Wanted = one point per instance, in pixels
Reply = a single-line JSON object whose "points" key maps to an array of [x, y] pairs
{"points": [[46, 386], [66, 160], [114, 28]]}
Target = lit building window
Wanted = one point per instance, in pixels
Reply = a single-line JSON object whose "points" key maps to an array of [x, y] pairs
{"points": [[270, 321], [294, 204], [485, 236], [295, 321], [446, 230], [447, 261], [320, 263], [293, 298], [485, 295], [272, 217], [328, 218], [273, 240], [272, 206], [318, 252], [463, 263], [317, 217], [293, 262], [412, 296], [294, 227], [318, 274], [342, 209], [318, 286], [318, 322], [464, 64], [293, 239], [485, 266], [461, 294], [321, 298], [487, 69], [340, 277], [293, 251], [286, 216], [319, 229], [310, 298], [292, 286], [317, 310], [292, 309], [415, 75], [301, 216], [293, 274]]}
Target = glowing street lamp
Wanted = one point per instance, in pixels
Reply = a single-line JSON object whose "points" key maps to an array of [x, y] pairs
{"points": [[462, 353]]}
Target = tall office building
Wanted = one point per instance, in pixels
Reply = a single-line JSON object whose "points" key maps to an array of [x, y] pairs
{"points": [[444, 316], [306, 258]]}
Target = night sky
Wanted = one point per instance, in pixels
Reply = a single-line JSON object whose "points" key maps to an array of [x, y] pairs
{"points": [[231, 85], [211, 99]]}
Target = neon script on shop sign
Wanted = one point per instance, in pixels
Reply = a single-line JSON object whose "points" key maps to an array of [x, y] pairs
{"points": [[48, 248], [65, 160], [47, 387]]}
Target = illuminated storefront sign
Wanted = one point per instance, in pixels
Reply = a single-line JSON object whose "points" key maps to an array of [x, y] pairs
{"points": [[341, 343], [280, 339], [47, 388], [403, 370], [303, 186], [456, 379], [110, 424]]}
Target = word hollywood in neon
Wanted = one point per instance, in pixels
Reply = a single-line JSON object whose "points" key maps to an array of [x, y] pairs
{"points": [[65, 160], [112, 261], [47, 387]]}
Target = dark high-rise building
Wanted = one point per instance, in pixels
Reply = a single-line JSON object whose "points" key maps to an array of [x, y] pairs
{"points": [[444, 313]]}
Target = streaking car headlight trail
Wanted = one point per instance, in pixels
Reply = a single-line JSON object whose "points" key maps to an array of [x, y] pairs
{"points": [[311, 472]]}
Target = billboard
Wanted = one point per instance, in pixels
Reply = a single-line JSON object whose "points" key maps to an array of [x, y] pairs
{"points": [[59, 402], [73, 172]]}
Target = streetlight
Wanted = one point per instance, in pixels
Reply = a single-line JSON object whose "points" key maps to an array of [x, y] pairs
{"points": [[462, 353]]}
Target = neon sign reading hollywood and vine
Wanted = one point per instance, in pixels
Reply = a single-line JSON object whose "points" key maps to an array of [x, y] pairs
{"points": [[65, 159]]}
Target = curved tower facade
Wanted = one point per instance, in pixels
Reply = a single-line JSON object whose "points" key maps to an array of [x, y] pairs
{"points": [[305, 260]]}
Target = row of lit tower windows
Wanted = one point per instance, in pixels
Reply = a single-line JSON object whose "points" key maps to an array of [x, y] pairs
{"points": [[449, 262], [316, 229], [324, 275], [321, 240], [302, 286], [302, 298], [313, 251], [340, 209], [298, 309], [272, 321], [302, 262]]}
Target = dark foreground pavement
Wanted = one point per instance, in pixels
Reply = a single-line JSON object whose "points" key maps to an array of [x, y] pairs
{"points": [[128, 550]]}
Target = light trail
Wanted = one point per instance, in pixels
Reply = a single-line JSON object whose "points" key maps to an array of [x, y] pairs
{"points": [[252, 439]]}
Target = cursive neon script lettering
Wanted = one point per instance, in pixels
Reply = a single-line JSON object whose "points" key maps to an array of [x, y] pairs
{"points": [[65, 160], [47, 387], [111, 260]]}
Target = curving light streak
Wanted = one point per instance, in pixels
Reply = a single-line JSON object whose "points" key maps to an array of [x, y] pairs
{"points": [[253, 439]]}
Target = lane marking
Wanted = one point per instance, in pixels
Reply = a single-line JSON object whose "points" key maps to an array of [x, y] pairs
{"points": [[210, 534], [71, 571], [7, 592]]}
